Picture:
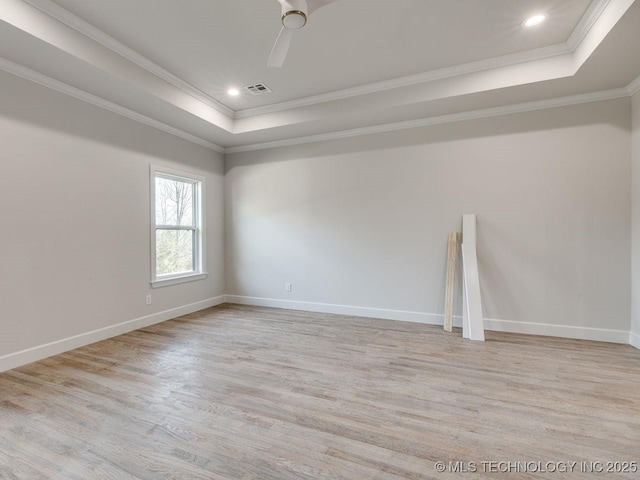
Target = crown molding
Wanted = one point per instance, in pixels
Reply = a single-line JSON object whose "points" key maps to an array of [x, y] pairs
{"points": [[49, 82], [78, 24], [586, 23], [443, 119], [410, 80], [634, 87]]}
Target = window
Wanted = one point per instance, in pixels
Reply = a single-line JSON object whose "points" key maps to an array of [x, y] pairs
{"points": [[177, 253]]}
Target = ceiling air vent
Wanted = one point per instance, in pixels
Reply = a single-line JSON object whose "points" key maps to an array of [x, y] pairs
{"points": [[257, 89]]}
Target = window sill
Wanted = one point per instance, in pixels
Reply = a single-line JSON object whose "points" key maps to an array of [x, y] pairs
{"points": [[165, 282]]}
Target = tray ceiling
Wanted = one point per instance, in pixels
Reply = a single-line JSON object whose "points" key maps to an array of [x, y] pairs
{"points": [[358, 65]]}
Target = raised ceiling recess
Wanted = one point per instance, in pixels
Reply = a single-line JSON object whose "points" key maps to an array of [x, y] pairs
{"points": [[350, 66]]}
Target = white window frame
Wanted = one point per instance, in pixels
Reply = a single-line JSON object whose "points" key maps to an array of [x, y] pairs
{"points": [[199, 263]]}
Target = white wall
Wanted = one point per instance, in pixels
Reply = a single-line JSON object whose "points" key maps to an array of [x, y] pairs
{"points": [[635, 266], [363, 222], [74, 204]]}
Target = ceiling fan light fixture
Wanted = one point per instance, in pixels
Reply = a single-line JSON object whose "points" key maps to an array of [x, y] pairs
{"points": [[534, 20], [294, 16], [294, 19]]}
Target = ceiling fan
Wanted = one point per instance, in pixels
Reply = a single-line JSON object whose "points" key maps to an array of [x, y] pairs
{"points": [[294, 16]]}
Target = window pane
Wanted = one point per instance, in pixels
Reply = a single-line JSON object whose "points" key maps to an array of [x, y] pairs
{"points": [[174, 251], [174, 202]]}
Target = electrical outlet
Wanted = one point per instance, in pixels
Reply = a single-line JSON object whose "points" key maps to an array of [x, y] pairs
{"points": [[148, 300], [287, 287]]}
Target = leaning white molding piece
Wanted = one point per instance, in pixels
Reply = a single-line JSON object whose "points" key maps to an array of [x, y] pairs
{"points": [[465, 313], [473, 321]]}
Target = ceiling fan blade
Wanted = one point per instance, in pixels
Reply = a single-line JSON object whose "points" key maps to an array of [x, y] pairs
{"points": [[316, 4], [280, 49], [285, 4]]}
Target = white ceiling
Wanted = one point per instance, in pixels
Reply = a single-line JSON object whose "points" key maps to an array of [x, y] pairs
{"points": [[357, 66], [215, 44]]}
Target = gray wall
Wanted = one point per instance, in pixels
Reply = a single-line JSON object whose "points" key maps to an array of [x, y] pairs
{"points": [[635, 266], [363, 221], [74, 204], [359, 222]]}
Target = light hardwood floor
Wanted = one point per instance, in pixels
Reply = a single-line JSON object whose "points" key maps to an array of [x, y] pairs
{"points": [[238, 392]]}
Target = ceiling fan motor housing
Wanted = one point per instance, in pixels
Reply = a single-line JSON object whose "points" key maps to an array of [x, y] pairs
{"points": [[294, 15], [294, 19]]}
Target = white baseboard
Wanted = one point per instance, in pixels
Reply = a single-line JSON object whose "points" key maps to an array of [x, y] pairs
{"points": [[402, 315], [17, 359], [565, 331]]}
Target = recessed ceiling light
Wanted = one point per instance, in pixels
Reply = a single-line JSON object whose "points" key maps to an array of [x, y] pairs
{"points": [[533, 21], [234, 92]]}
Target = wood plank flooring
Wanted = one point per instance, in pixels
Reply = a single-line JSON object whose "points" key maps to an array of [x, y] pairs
{"points": [[249, 393]]}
